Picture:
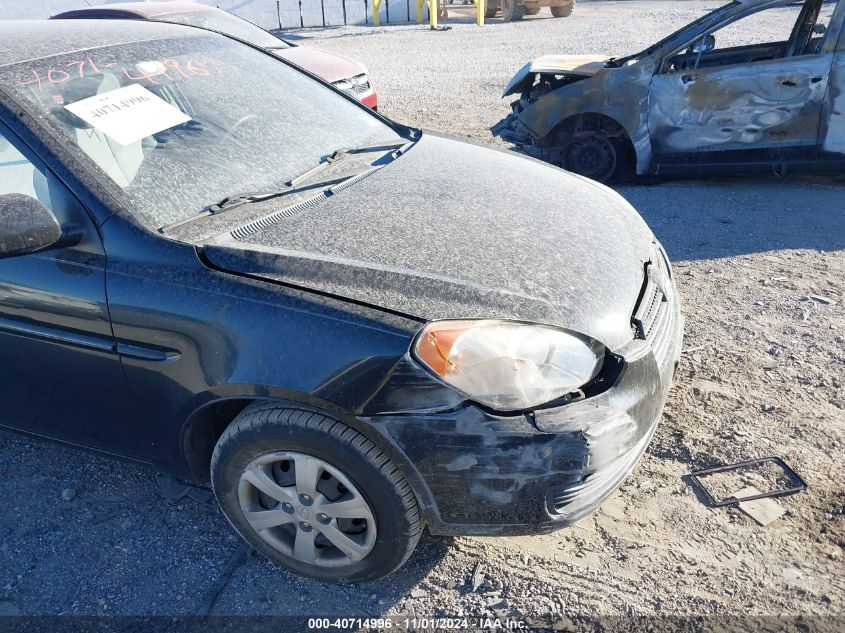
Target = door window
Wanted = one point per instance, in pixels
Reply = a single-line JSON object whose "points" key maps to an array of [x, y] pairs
{"points": [[60, 374], [19, 175], [788, 29], [25, 174], [771, 27]]}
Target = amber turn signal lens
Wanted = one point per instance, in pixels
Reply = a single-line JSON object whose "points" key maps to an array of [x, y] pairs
{"points": [[507, 365], [435, 345]]}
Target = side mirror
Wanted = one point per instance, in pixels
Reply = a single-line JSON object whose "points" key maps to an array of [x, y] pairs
{"points": [[26, 226], [704, 44]]}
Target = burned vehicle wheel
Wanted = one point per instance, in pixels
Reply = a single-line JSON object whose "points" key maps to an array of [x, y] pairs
{"points": [[590, 154], [563, 10], [512, 10], [591, 146], [314, 495]]}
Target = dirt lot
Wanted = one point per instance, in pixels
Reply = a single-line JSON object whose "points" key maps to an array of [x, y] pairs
{"points": [[761, 271]]}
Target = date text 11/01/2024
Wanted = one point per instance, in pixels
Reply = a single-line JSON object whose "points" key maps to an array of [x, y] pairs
{"points": [[417, 623]]}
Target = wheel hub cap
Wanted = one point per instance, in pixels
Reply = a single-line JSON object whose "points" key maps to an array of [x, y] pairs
{"points": [[307, 509]]}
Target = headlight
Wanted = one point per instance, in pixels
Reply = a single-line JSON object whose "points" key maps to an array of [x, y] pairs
{"points": [[506, 365]]}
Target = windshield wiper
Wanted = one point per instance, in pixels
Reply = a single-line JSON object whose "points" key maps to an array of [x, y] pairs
{"points": [[232, 202], [340, 154]]}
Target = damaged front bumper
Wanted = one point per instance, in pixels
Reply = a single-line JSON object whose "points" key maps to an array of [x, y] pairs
{"points": [[513, 130], [488, 474]]}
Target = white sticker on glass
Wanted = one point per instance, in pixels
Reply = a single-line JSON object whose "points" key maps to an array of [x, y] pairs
{"points": [[128, 114]]}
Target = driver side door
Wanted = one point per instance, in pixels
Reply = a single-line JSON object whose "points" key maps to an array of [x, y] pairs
{"points": [[60, 372], [757, 98]]}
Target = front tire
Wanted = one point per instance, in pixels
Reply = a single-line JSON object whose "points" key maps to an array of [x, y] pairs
{"points": [[592, 146], [314, 495], [512, 10], [591, 154], [563, 10]]}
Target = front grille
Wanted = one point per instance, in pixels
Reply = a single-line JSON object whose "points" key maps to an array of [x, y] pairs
{"points": [[358, 85], [654, 317]]}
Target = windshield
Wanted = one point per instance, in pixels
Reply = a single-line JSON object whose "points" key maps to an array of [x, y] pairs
{"points": [[180, 123], [223, 22]]}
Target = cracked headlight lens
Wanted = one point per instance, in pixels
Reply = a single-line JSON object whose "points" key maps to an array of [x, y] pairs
{"points": [[506, 365]]}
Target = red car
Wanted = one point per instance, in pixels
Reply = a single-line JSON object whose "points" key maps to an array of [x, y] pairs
{"points": [[343, 73]]}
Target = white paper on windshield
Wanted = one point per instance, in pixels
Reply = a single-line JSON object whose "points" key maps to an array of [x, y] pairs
{"points": [[128, 114]]}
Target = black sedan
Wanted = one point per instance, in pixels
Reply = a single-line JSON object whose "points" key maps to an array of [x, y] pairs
{"points": [[220, 266]]}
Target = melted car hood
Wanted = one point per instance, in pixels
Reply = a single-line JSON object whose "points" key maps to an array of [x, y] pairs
{"points": [[583, 65], [456, 230], [329, 66]]}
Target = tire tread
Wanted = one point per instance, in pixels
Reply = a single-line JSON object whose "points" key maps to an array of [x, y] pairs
{"points": [[260, 414]]}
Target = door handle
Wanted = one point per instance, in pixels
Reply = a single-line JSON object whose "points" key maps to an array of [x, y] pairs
{"points": [[688, 78], [815, 80], [789, 83]]}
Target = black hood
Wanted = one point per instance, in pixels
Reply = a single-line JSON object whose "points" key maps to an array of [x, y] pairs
{"points": [[455, 230]]}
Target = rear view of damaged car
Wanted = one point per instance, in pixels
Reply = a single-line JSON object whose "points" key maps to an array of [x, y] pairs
{"points": [[283, 294], [754, 84]]}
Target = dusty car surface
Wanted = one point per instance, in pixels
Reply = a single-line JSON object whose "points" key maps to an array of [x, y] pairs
{"points": [[215, 264], [708, 97], [343, 73]]}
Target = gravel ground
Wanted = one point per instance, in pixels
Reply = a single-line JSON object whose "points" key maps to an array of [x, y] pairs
{"points": [[761, 271]]}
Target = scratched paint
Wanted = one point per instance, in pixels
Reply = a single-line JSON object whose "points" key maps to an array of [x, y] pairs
{"points": [[764, 105], [833, 130]]}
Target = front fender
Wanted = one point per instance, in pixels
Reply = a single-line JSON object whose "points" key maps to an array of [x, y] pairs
{"points": [[620, 94], [220, 406]]}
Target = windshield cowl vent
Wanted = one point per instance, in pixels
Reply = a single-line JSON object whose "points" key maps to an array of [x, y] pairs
{"points": [[244, 231], [263, 223]]}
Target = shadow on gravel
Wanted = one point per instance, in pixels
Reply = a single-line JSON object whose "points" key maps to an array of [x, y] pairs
{"points": [[671, 445], [698, 492], [260, 588], [81, 534], [724, 217]]}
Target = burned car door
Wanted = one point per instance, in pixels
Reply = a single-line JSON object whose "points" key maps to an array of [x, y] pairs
{"points": [[721, 98], [832, 130]]}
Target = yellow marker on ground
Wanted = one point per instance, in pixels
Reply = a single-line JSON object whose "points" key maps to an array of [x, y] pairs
{"points": [[432, 15]]}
